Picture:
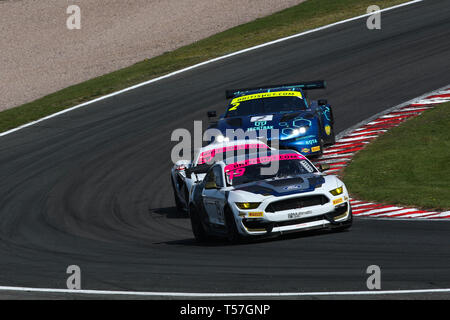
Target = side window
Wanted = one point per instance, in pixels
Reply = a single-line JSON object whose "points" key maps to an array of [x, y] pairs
{"points": [[209, 176], [217, 170]]}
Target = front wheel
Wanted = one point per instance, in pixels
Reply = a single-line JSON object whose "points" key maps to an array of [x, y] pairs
{"points": [[332, 138], [233, 235], [197, 227]]}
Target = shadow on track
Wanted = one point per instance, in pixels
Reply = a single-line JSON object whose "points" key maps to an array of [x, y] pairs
{"points": [[219, 242], [170, 213]]}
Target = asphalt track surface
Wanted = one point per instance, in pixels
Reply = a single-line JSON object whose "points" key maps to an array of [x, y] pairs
{"points": [[91, 187]]}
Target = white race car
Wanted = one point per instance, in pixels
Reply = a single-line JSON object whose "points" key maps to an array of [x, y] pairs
{"points": [[242, 197], [185, 173]]}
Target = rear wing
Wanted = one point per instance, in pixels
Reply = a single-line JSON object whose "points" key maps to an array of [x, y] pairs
{"points": [[310, 85], [202, 168]]}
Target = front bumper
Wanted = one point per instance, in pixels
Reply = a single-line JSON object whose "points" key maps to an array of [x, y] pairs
{"points": [[336, 218]]}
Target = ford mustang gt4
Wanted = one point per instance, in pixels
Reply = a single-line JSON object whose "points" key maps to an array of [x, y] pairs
{"points": [[262, 195]]}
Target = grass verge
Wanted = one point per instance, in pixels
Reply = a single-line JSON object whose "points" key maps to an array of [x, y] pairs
{"points": [[409, 165], [305, 16]]}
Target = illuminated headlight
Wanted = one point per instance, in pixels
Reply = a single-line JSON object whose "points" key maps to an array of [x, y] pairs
{"points": [[247, 205], [337, 191], [222, 139], [292, 133], [298, 131]]}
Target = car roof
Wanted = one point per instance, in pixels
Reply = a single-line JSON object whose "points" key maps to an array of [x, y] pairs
{"points": [[218, 145], [255, 155], [221, 145]]}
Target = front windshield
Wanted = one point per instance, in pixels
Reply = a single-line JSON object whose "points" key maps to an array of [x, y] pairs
{"points": [[265, 106], [290, 165]]}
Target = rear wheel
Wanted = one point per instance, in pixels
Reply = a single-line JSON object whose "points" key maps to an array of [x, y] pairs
{"points": [[178, 203], [197, 227]]}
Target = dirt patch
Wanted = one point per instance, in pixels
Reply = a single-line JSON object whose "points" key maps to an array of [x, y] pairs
{"points": [[39, 55]]}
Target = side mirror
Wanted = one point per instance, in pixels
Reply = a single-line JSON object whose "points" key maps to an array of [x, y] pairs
{"points": [[324, 167], [322, 102], [212, 114], [211, 185]]}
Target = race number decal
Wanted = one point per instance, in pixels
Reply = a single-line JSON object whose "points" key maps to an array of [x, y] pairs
{"points": [[234, 106], [236, 173]]}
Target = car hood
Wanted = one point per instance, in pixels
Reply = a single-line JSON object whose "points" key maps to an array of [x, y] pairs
{"points": [[285, 186]]}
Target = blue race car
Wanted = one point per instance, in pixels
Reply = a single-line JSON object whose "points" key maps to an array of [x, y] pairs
{"points": [[303, 126]]}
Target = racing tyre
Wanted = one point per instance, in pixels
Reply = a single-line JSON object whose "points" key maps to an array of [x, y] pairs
{"points": [[197, 227], [233, 235], [332, 139], [178, 203]]}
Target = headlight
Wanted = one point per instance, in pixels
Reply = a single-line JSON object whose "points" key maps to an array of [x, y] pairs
{"points": [[300, 130], [247, 205], [337, 191], [290, 133]]}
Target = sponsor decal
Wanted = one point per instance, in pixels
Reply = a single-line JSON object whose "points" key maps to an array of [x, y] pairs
{"points": [[305, 150], [299, 214], [260, 128], [337, 201], [255, 214], [261, 118], [315, 149], [309, 142], [235, 102], [327, 130], [297, 186]]}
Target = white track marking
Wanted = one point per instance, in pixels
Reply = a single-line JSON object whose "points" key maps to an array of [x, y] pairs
{"points": [[219, 295], [433, 101], [441, 214], [419, 215], [202, 64], [359, 139], [358, 133], [418, 109], [406, 210], [369, 208], [390, 210], [183, 294], [334, 156]]}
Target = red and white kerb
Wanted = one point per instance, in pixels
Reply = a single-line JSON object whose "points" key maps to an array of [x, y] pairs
{"points": [[340, 154]]}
